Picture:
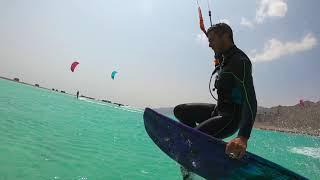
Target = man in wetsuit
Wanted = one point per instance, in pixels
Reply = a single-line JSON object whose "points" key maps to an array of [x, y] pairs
{"points": [[236, 106]]}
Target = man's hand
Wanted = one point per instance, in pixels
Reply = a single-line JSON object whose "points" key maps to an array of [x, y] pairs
{"points": [[236, 148]]}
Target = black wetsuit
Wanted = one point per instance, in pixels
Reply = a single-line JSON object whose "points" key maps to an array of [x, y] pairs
{"points": [[237, 105]]}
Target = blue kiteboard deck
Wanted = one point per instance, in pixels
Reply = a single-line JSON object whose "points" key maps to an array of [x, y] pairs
{"points": [[205, 155]]}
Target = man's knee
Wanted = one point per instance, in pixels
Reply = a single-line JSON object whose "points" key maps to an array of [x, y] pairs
{"points": [[208, 126], [219, 126], [178, 111]]}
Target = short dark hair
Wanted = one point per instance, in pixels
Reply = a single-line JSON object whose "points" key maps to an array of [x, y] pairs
{"points": [[220, 29]]}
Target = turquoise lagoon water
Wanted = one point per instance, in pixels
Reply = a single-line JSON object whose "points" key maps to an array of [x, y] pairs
{"points": [[49, 135]]}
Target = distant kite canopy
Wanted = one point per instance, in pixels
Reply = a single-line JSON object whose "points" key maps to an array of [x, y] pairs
{"points": [[301, 102], [113, 74], [74, 65]]}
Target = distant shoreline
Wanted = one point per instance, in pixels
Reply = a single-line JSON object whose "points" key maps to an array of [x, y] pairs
{"points": [[8, 79], [34, 85], [59, 91], [260, 126], [257, 125]]}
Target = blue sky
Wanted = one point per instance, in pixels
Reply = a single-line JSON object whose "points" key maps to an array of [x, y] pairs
{"points": [[158, 49]]}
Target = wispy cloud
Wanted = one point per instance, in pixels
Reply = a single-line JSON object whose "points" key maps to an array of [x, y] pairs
{"points": [[274, 48], [202, 39], [245, 22], [227, 21], [266, 9], [271, 8]]}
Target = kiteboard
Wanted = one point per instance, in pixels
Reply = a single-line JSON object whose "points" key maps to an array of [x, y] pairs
{"points": [[205, 155]]}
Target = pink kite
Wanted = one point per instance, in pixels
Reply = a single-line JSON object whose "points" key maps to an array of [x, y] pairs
{"points": [[301, 102], [74, 65]]}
